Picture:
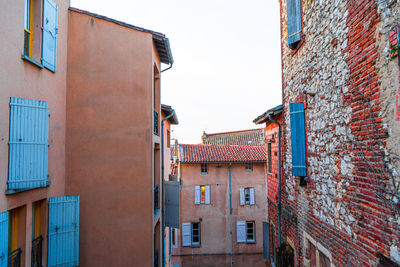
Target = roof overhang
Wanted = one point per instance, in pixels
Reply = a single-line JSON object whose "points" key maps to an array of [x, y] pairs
{"points": [[265, 116], [167, 110]]}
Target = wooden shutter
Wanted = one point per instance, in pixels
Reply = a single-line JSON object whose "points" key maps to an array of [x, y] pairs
{"points": [[241, 193], [267, 252], [172, 204], [186, 234], [241, 231], [4, 239], [49, 44], [298, 138], [197, 194], [294, 21], [252, 202], [207, 194], [28, 144], [63, 233]]}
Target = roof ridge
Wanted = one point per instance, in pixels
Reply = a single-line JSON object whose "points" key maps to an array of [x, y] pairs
{"points": [[238, 131]]}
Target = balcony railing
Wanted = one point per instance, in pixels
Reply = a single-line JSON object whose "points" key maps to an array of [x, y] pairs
{"points": [[14, 258], [37, 252], [156, 123], [156, 199]]}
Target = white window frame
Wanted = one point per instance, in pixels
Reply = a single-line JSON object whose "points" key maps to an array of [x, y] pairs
{"points": [[242, 232], [174, 232], [247, 192], [198, 194], [196, 244], [248, 240], [319, 250]]}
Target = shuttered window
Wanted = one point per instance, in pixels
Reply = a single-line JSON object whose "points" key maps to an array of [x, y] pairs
{"points": [[202, 194], [191, 234], [246, 196], [4, 239], [294, 22], [50, 30], [298, 139], [172, 204], [28, 144], [63, 232], [241, 231]]}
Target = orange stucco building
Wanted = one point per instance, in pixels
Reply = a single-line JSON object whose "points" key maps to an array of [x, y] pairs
{"points": [[223, 203], [113, 138]]}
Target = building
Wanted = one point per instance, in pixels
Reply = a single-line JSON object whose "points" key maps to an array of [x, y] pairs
{"points": [[39, 225], [252, 137], [340, 77], [273, 122], [113, 138], [223, 205]]}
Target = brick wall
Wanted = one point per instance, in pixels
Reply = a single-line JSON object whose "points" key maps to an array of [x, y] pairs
{"points": [[352, 132]]}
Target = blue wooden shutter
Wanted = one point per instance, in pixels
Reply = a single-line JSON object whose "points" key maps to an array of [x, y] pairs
{"points": [[28, 144], [63, 231], [298, 137], [49, 45], [3, 239], [294, 21]]}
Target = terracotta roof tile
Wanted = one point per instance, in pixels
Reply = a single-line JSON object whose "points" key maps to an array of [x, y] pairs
{"points": [[201, 153], [253, 137]]}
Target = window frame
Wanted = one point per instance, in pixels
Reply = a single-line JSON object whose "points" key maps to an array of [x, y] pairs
{"points": [[247, 195], [195, 244], [248, 166], [204, 169], [269, 149], [28, 19], [202, 194], [253, 223]]}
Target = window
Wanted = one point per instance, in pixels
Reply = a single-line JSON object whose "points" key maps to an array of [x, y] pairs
{"points": [[245, 231], [191, 234], [40, 33], [202, 194], [249, 167], [294, 23], [298, 139], [269, 158], [28, 144], [316, 254], [247, 196], [174, 237], [204, 169], [168, 138]]}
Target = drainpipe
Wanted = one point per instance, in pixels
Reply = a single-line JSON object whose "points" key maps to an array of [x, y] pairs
{"points": [[279, 175], [162, 184], [170, 66], [230, 209]]}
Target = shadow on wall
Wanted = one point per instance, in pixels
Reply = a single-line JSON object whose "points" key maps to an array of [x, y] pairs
{"points": [[255, 260]]}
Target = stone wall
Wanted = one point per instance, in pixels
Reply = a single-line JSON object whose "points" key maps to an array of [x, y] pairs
{"points": [[348, 87]]}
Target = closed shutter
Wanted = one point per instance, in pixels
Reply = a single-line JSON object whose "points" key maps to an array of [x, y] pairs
{"points": [[63, 237], [298, 138], [28, 143], [197, 194], [207, 194], [3, 239], [172, 204], [267, 252], [49, 45], [294, 21], [241, 231], [186, 234], [252, 202], [241, 191]]}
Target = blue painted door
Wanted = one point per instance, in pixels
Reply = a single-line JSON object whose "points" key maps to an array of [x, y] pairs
{"points": [[28, 143], [50, 30], [3, 239], [63, 231], [298, 138]]}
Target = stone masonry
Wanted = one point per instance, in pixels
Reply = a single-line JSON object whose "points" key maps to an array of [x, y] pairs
{"points": [[346, 73]]}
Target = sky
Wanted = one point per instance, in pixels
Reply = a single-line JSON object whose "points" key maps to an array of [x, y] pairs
{"points": [[227, 68]]}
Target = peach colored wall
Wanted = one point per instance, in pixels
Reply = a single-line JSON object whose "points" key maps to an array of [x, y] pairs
{"points": [[110, 140], [19, 78], [214, 225]]}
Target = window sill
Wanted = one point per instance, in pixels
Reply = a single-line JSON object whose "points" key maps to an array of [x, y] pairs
{"points": [[34, 62], [204, 173], [16, 191], [250, 242]]}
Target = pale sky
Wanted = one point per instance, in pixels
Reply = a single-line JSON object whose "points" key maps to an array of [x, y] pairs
{"points": [[227, 68]]}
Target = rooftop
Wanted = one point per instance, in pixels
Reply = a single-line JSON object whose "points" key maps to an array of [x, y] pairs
{"points": [[200, 153], [167, 111], [252, 137], [264, 117], [161, 42]]}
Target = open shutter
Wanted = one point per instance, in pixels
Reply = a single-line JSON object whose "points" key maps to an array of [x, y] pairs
{"points": [[298, 138], [172, 204], [28, 144], [241, 231], [241, 190], [267, 252], [294, 21], [252, 202], [207, 194], [49, 44], [186, 234], [63, 237], [197, 194], [3, 239]]}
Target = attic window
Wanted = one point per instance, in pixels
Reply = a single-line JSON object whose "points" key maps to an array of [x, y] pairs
{"points": [[204, 168]]}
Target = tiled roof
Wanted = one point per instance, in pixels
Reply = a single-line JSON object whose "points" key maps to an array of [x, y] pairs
{"points": [[254, 137], [221, 153], [273, 112]]}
